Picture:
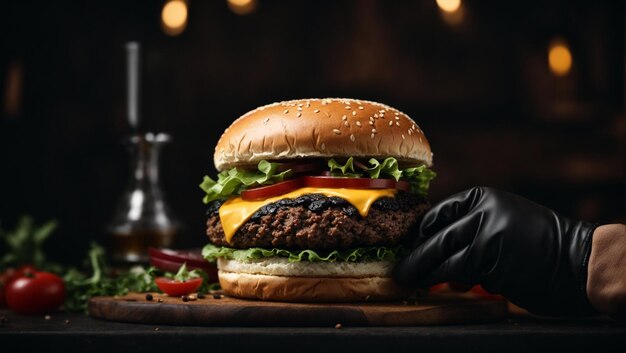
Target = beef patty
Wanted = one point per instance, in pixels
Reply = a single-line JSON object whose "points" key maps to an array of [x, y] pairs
{"points": [[315, 221]]}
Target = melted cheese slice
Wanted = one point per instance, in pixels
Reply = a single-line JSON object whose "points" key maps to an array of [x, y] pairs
{"points": [[236, 211]]}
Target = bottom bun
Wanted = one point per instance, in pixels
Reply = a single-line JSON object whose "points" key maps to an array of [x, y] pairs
{"points": [[311, 289]]}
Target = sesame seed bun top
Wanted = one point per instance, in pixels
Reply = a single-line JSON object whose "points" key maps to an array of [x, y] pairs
{"points": [[321, 128]]}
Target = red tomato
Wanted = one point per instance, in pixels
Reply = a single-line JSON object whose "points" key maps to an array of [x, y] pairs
{"points": [[35, 293], [3, 280], [350, 183], [10, 275], [175, 288], [265, 192]]}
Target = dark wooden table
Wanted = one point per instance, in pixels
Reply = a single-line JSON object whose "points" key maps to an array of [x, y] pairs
{"points": [[75, 332]]}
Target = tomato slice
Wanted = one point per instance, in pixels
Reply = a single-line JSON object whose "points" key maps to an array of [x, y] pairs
{"points": [[322, 181], [176, 288], [170, 260], [350, 183], [265, 192], [172, 266], [403, 185], [193, 257], [481, 292]]}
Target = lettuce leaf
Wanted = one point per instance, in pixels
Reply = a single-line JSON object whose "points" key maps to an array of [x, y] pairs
{"points": [[346, 170], [418, 177], [211, 252], [388, 167], [234, 181]]}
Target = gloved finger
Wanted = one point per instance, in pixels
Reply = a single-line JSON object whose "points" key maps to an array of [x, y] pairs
{"points": [[453, 269], [436, 249], [448, 211]]}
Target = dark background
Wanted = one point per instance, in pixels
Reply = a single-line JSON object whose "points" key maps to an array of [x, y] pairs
{"points": [[480, 87]]}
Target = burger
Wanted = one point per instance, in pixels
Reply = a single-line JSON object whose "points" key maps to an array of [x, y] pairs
{"points": [[315, 200]]}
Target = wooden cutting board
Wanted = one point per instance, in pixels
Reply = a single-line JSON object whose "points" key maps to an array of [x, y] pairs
{"points": [[226, 311]]}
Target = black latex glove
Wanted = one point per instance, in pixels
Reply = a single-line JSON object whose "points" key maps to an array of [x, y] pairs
{"points": [[509, 245]]}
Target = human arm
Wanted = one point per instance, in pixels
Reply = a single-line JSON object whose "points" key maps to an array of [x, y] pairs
{"points": [[606, 283]]}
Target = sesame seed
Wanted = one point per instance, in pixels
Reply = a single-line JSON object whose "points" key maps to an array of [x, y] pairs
{"points": [[300, 105], [308, 104], [397, 123], [361, 107], [376, 116], [420, 138], [402, 136], [374, 131], [410, 132], [346, 123], [390, 123], [414, 127], [299, 114], [338, 326], [286, 111], [265, 121], [358, 123], [372, 123], [348, 107], [372, 136], [323, 146], [397, 117], [344, 118], [382, 111], [371, 118], [352, 137], [337, 131], [316, 111], [396, 113], [299, 108], [353, 113]]}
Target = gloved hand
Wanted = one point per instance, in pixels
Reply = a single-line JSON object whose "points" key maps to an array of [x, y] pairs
{"points": [[509, 245]]}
